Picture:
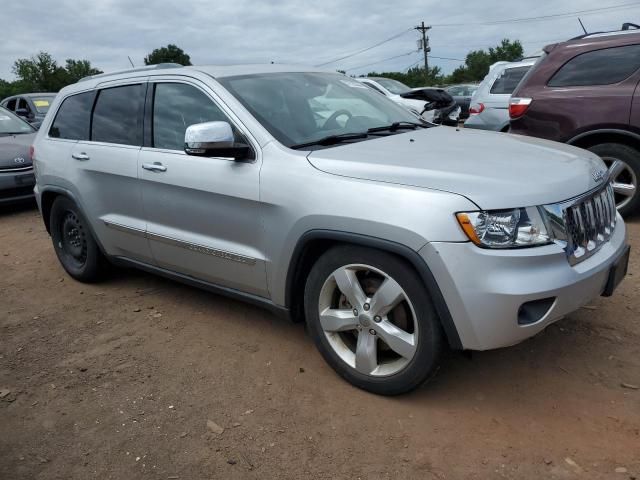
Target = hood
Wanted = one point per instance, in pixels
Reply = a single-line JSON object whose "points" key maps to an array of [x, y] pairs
{"points": [[494, 170], [15, 147]]}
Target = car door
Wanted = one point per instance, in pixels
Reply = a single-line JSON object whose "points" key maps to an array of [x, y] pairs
{"points": [[105, 170], [203, 214]]}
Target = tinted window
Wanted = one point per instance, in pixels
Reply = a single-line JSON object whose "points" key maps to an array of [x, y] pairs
{"points": [[22, 103], [600, 67], [508, 80], [12, 104], [117, 116], [72, 119], [175, 107]]}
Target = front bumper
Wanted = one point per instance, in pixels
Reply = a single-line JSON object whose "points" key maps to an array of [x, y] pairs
{"points": [[484, 289], [16, 186]]}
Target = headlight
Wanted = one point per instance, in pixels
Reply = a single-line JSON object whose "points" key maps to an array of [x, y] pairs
{"points": [[519, 227]]}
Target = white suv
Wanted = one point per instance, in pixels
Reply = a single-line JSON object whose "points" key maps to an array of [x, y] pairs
{"points": [[304, 192]]}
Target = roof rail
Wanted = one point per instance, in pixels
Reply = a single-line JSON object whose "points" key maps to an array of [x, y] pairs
{"points": [[158, 66]]}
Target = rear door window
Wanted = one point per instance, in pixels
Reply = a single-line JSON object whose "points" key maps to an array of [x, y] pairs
{"points": [[11, 105], [73, 117], [600, 67], [117, 116], [508, 80]]}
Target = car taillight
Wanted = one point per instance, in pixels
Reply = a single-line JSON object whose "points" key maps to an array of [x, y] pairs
{"points": [[518, 106], [476, 108], [32, 152]]}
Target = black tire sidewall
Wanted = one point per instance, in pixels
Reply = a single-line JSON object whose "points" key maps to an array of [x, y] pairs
{"points": [[90, 270], [425, 362], [631, 157]]}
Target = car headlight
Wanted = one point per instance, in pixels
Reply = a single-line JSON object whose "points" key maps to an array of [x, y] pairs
{"points": [[518, 227]]}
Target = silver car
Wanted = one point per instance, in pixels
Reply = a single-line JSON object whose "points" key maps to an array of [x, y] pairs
{"points": [[323, 201], [489, 108]]}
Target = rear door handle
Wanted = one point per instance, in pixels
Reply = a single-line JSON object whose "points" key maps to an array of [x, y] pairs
{"points": [[80, 156], [154, 167]]}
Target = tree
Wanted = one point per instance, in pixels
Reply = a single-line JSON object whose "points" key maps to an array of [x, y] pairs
{"points": [[477, 62], [77, 69], [168, 54], [39, 73], [414, 77]]}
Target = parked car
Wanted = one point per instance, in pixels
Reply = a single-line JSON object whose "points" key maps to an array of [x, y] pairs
{"points": [[30, 106], [432, 104], [16, 172], [585, 92], [383, 232], [462, 96], [489, 108]]}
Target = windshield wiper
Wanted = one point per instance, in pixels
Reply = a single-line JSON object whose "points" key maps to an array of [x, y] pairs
{"points": [[332, 140], [397, 126]]}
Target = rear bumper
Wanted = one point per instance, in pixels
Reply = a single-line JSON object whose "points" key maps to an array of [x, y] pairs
{"points": [[16, 186], [484, 289]]}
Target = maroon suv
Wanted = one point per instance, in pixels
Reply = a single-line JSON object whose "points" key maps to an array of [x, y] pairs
{"points": [[586, 92]]}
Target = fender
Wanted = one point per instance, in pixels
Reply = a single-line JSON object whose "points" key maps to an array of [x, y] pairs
{"points": [[615, 131], [403, 251]]}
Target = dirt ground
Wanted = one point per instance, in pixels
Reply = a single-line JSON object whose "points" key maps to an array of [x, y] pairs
{"points": [[119, 380]]}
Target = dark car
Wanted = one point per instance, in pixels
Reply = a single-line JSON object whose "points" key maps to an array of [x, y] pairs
{"points": [[16, 171], [30, 106], [462, 95], [585, 92]]}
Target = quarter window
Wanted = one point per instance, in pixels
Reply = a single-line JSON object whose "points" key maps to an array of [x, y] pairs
{"points": [[600, 67], [73, 117], [177, 106], [507, 82], [117, 116]]}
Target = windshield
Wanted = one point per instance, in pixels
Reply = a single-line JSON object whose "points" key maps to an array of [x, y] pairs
{"points": [[299, 108], [394, 86], [11, 124], [42, 103], [462, 90]]}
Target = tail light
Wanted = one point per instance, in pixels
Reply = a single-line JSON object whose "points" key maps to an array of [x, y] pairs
{"points": [[476, 108], [32, 152], [518, 106]]}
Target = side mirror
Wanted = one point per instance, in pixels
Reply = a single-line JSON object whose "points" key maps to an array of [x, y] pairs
{"points": [[214, 139], [22, 112]]}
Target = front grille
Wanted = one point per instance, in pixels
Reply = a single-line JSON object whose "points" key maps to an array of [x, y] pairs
{"points": [[589, 223], [9, 193]]}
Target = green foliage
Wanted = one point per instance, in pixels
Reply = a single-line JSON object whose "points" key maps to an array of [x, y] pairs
{"points": [[477, 62], [41, 73], [169, 54]]}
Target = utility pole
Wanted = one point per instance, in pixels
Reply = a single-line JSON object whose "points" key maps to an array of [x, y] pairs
{"points": [[425, 47]]}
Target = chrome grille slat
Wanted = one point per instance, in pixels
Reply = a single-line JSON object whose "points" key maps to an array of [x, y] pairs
{"points": [[589, 222], [16, 169]]}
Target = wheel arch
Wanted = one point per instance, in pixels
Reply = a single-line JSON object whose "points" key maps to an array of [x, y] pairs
{"points": [[606, 135], [314, 243]]}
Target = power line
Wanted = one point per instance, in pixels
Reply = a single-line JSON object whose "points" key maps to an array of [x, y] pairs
{"points": [[366, 49], [539, 18], [380, 61], [447, 58]]}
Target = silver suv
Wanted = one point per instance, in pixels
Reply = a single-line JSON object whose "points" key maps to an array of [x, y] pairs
{"points": [[308, 193]]}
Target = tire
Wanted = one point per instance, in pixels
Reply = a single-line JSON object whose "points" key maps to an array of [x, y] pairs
{"points": [[73, 242], [627, 173], [347, 341]]}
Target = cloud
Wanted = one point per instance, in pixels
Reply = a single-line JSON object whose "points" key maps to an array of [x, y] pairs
{"points": [[287, 31]]}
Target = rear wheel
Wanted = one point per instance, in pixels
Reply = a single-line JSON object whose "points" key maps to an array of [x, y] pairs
{"points": [[371, 318], [74, 245], [623, 163]]}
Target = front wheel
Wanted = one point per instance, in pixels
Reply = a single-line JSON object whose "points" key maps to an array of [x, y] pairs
{"points": [[623, 163], [371, 317]]}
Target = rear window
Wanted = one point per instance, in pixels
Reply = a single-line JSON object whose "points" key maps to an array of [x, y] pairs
{"points": [[42, 104], [72, 119], [600, 67], [508, 80], [117, 116]]}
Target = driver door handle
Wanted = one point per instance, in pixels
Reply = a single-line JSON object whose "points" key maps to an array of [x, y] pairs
{"points": [[154, 167], [80, 156]]}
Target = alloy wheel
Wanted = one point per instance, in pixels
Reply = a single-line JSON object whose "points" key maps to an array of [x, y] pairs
{"points": [[625, 182], [368, 320]]}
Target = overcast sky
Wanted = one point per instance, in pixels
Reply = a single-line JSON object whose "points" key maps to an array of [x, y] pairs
{"points": [[286, 31]]}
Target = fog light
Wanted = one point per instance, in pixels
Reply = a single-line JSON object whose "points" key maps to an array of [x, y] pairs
{"points": [[534, 311]]}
